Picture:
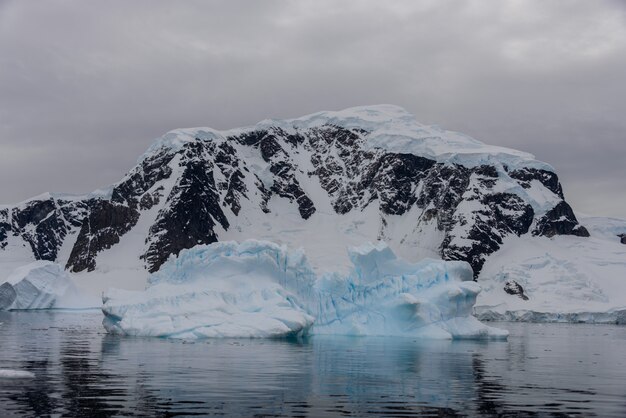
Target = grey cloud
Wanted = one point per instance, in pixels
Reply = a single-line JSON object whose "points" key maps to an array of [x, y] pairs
{"points": [[85, 86]]}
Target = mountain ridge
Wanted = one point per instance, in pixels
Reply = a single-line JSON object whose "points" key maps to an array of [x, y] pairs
{"points": [[373, 169]]}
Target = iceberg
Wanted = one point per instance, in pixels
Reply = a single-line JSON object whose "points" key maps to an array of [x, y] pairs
{"points": [[262, 289], [38, 285]]}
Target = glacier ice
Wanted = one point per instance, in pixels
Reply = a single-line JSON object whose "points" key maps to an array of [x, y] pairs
{"points": [[564, 278], [262, 289], [38, 285]]}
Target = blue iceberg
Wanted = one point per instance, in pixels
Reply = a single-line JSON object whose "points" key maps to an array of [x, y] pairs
{"points": [[262, 289]]}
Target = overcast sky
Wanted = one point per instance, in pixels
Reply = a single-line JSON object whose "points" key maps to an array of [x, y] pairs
{"points": [[86, 86]]}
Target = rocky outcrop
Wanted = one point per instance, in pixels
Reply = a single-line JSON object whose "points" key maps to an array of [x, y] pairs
{"points": [[140, 179], [103, 225], [41, 224], [192, 212], [560, 220], [513, 288], [5, 228]]}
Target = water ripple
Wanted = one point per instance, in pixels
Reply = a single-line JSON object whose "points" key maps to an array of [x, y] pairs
{"points": [[543, 370]]}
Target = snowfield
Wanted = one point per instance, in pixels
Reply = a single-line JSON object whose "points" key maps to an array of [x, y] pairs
{"points": [[565, 278], [261, 289]]}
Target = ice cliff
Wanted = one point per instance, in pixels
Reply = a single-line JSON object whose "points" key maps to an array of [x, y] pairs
{"points": [[261, 289]]}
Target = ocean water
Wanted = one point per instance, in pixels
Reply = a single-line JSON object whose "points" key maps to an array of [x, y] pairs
{"points": [[542, 370]]}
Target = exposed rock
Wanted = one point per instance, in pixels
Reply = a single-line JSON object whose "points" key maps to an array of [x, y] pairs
{"points": [[549, 179], [141, 178], [513, 288], [102, 228], [40, 224], [192, 212], [560, 220]]}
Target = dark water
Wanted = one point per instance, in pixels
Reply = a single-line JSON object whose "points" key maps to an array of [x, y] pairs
{"points": [[543, 370]]}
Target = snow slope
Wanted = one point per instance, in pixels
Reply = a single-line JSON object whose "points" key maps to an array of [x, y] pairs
{"points": [[610, 229], [260, 289], [565, 278]]}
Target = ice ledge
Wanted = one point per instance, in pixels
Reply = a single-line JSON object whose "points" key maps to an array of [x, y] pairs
{"points": [[616, 316], [261, 289]]}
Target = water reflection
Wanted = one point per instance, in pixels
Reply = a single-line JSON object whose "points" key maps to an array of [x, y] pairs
{"points": [[544, 370]]}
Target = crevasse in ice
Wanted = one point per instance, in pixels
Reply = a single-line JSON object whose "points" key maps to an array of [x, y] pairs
{"points": [[261, 289]]}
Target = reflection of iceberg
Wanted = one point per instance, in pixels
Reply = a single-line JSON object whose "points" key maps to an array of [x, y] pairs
{"points": [[15, 374], [38, 285], [321, 376], [260, 289]]}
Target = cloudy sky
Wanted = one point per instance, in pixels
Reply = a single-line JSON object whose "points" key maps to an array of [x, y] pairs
{"points": [[86, 86]]}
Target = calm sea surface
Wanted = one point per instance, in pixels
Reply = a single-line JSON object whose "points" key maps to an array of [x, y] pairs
{"points": [[543, 370]]}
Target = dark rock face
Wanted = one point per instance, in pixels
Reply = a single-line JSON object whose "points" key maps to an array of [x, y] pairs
{"points": [[189, 193], [102, 227], [234, 179], [560, 220], [40, 224], [149, 171], [192, 212], [285, 182], [550, 180], [622, 238], [513, 288], [5, 227], [502, 214]]}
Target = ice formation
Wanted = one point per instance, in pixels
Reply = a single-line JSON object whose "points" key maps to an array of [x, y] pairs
{"points": [[261, 289], [38, 285]]}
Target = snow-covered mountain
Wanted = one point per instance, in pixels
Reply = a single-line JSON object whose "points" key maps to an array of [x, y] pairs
{"points": [[324, 182]]}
